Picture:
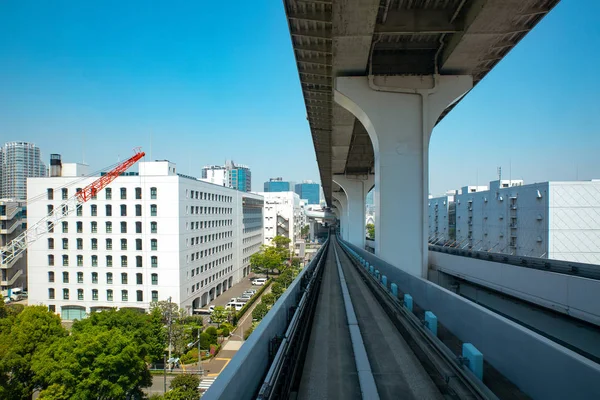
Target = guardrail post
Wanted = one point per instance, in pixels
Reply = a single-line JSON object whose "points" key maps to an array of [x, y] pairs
{"points": [[371, 269], [394, 290], [408, 302], [384, 280], [431, 322], [377, 274], [475, 358]]}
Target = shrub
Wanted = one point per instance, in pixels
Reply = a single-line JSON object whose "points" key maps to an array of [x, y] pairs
{"points": [[212, 332], [268, 299], [248, 332], [259, 311], [225, 332]]}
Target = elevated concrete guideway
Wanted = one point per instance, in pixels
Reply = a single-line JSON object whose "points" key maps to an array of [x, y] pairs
{"points": [[377, 76]]}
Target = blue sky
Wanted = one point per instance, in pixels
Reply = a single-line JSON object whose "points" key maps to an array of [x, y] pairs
{"points": [[210, 81]]}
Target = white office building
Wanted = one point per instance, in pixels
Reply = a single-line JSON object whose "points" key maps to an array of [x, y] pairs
{"points": [[145, 237], [282, 216], [556, 220]]}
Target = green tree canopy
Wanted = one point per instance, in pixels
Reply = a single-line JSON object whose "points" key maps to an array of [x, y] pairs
{"points": [[371, 231], [94, 363], [267, 260], [259, 311], [22, 336], [277, 289], [219, 315], [268, 299]]}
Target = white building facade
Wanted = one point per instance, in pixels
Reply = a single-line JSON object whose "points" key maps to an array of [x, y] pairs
{"points": [[282, 216], [144, 238], [556, 220]]}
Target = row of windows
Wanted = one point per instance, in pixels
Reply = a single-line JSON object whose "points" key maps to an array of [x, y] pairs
{"points": [[208, 224], [109, 278], [208, 238], [207, 210], [211, 278], [252, 238], [253, 228], [209, 252], [252, 249], [109, 261], [108, 211], [194, 194], [108, 227], [109, 295], [210, 265], [109, 245], [107, 193]]}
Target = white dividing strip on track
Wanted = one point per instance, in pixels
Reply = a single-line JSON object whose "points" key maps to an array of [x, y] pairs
{"points": [[368, 387]]}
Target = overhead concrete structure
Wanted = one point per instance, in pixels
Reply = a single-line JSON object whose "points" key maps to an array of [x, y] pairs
{"points": [[420, 55], [341, 202], [356, 188]]}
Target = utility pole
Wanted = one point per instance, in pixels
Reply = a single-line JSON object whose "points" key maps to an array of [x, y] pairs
{"points": [[165, 373], [200, 369], [170, 320]]}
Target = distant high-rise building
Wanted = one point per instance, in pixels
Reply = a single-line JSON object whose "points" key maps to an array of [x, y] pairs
{"points": [[19, 161], [278, 185], [310, 191], [235, 176]]}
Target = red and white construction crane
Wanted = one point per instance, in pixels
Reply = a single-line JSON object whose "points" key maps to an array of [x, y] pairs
{"points": [[19, 244]]}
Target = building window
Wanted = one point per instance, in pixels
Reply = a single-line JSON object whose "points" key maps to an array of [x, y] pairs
{"points": [[65, 193], [138, 244], [50, 244], [154, 296], [79, 210], [140, 295], [123, 244], [65, 227], [108, 244], [153, 210], [79, 242], [109, 278], [138, 227], [65, 260], [109, 295], [123, 210], [94, 261], [108, 210], [123, 194], [50, 226], [138, 210], [94, 227], [51, 277], [124, 278], [154, 261], [124, 295], [153, 227], [108, 227], [123, 261], [109, 261], [79, 226], [153, 244], [94, 294], [94, 277], [138, 261], [138, 279], [108, 192], [80, 277], [51, 294], [50, 260], [123, 227], [155, 279], [94, 244], [65, 244], [79, 294], [138, 193], [94, 210], [79, 260], [65, 277], [50, 208], [153, 193], [50, 193]]}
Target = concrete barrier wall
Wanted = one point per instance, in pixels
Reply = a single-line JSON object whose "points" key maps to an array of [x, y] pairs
{"points": [[538, 366], [568, 294], [242, 377]]}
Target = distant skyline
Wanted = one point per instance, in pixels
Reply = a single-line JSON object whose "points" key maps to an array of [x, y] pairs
{"points": [[193, 86]]}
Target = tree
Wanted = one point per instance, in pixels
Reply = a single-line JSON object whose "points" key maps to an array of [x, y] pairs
{"points": [[277, 289], [268, 299], [3, 311], [304, 231], [96, 363], [282, 244], [22, 337], [168, 310], [267, 260], [219, 315], [371, 231], [212, 332], [185, 381], [259, 311]]}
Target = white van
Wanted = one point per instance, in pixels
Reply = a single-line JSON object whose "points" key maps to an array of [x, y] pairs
{"points": [[236, 305], [259, 281]]}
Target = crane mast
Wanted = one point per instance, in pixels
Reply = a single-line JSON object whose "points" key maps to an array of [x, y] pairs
{"points": [[19, 244]]}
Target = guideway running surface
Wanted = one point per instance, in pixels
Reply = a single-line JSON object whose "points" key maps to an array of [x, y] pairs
{"points": [[397, 371], [329, 369]]}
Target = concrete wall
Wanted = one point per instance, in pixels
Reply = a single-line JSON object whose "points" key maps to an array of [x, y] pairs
{"points": [[572, 295], [538, 366]]}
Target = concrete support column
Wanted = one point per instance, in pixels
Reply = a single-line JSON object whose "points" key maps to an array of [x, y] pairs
{"points": [[356, 189], [342, 203], [399, 113]]}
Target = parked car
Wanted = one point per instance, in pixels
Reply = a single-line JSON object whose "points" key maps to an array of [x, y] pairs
{"points": [[259, 281], [236, 305], [250, 291]]}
